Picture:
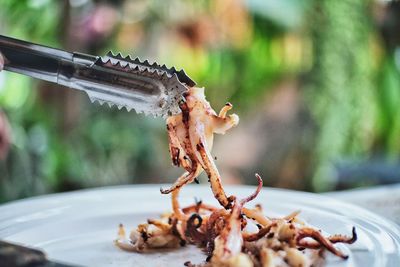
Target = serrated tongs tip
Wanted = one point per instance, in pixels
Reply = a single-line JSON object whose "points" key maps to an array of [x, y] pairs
{"points": [[161, 87]]}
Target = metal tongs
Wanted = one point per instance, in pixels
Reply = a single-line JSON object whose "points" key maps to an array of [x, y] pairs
{"points": [[112, 79]]}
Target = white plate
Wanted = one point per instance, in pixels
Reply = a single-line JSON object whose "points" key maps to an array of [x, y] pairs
{"points": [[79, 227]]}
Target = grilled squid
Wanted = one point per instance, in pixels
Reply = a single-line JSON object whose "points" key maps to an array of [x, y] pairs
{"points": [[224, 233], [191, 135]]}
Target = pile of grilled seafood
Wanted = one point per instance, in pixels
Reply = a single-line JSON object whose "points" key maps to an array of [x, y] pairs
{"points": [[223, 232]]}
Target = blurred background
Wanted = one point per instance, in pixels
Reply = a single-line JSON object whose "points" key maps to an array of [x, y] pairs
{"points": [[315, 83]]}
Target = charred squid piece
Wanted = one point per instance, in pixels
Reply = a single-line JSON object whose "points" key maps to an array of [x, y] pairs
{"points": [[186, 178], [201, 130], [198, 207], [176, 207], [343, 238], [122, 242], [214, 177], [291, 216], [175, 229], [192, 233], [181, 152], [159, 224], [222, 114], [177, 153], [333, 239], [191, 139], [257, 216], [214, 226], [182, 214], [152, 235], [223, 123], [228, 245], [317, 236], [256, 236]]}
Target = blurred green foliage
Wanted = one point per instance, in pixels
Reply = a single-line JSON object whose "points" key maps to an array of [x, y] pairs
{"points": [[38, 19], [343, 94], [238, 50], [388, 97]]}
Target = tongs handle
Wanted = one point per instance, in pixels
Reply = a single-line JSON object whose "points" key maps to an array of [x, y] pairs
{"points": [[34, 60]]}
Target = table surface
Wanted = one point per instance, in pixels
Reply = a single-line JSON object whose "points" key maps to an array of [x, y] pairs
{"points": [[382, 200]]}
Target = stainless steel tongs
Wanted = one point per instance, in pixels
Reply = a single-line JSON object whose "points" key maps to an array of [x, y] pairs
{"points": [[111, 79]]}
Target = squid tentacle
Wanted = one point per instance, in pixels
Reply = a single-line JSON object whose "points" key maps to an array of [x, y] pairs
{"points": [[214, 177], [222, 114], [177, 153], [316, 235], [176, 207], [333, 239], [255, 193], [256, 236], [184, 179], [192, 225]]}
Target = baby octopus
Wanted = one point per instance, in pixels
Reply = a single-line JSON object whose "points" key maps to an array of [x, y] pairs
{"points": [[191, 135]]}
